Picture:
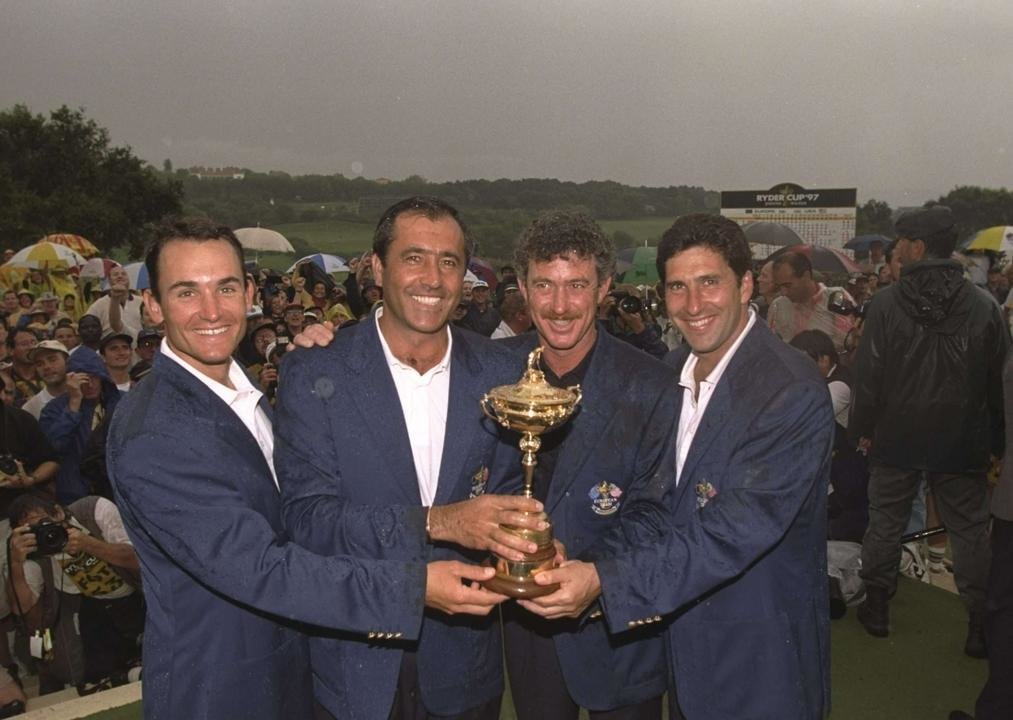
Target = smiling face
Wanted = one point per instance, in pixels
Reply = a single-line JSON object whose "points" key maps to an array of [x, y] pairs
{"points": [[421, 277], [203, 300], [707, 302], [563, 296]]}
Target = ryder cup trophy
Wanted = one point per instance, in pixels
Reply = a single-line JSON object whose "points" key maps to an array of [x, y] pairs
{"points": [[530, 407]]}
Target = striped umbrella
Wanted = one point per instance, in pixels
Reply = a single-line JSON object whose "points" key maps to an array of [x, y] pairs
{"points": [[97, 268], [78, 244], [46, 255], [138, 274]]}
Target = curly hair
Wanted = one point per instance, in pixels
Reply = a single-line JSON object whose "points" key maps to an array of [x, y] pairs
{"points": [[561, 233]]}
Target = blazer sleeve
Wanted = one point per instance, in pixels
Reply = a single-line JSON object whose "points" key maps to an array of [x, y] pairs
{"points": [[783, 459], [305, 459], [189, 506]]}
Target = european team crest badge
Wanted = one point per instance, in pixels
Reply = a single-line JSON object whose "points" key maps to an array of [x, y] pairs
{"points": [[605, 498], [704, 492], [478, 482]]}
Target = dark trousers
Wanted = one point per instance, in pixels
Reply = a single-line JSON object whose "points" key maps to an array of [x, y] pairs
{"points": [[996, 699], [963, 508], [110, 631], [408, 700], [536, 679]]}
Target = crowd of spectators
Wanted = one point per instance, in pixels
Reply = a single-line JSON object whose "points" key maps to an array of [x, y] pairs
{"points": [[72, 593]]}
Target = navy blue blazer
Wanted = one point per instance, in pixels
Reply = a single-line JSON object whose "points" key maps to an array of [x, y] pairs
{"points": [[222, 583], [341, 437], [618, 439], [743, 570]]}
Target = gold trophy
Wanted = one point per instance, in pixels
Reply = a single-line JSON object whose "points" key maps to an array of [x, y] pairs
{"points": [[530, 407]]}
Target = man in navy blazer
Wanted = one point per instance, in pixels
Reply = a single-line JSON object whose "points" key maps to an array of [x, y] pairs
{"points": [[190, 460], [599, 476], [741, 573], [388, 413]]}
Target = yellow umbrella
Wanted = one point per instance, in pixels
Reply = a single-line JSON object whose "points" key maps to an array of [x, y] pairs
{"points": [[78, 244], [46, 255], [998, 238]]}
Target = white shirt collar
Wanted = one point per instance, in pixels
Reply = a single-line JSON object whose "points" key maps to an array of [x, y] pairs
{"points": [[237, 376], [393, 362], [686, 379]]}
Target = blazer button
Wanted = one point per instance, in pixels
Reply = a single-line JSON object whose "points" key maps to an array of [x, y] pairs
{"points": [[657, 618], [397, 635], [371, 635]]}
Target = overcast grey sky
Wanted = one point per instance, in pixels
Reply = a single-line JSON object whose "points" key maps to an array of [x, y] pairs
{"points": [[903, 100]]}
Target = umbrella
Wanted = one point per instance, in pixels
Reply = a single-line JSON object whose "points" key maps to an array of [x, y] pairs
{"points": [[76, 243], [484, 271], [637, 265], [823, 259], [138, 274], [998, 238], [761, 232], [46, 255], [263, 240], [861, 243], [97, 268], [328, 263]]}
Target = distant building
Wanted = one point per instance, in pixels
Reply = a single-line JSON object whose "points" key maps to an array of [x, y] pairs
{"points": [[214, 173]]}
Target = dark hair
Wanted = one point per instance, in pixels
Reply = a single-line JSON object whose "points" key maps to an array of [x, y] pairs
{"points": [[431, 208], [26, 503], [560, 233], [12, 337], [512, 306], [815, 344], [713, 232], [940, 244], [798, 263], [184, 228]]}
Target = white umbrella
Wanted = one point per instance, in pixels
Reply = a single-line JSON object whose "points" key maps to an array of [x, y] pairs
{"points": [[263, 240], [138, 274], [328, 263]]}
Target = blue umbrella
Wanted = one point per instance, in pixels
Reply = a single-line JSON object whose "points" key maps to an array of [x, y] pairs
{"points": [[328, 263], [138, 274], [862, 242]]}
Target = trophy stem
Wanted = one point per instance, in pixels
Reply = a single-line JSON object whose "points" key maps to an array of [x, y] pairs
{"points": [[529, 444]]}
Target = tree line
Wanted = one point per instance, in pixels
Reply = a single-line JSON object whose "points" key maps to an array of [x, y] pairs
{"points": [[62, 173]]}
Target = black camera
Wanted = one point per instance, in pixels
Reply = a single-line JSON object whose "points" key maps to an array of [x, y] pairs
{"points": [[629, 304], [8, 465], [840, 304], [51, 537]]}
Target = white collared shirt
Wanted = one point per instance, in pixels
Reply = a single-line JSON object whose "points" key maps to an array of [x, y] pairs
{"points": [[424, 401], [244, 402], [693, 408]]}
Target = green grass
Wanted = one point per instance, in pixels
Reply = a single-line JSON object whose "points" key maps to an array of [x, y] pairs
{"points": [[338, 237], [647, 229]]}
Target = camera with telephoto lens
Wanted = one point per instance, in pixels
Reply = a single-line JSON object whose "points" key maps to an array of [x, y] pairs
{"points": [[840, 304], [629, 304], [51, 537], [8, 465]]}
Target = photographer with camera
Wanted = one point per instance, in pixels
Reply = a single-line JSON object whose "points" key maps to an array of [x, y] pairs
{"points": [[73, 576], [76, 424], [627, 318]]}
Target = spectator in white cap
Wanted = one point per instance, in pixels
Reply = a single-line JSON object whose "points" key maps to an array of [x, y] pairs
{"points": [[50, 358], [482, 317]]}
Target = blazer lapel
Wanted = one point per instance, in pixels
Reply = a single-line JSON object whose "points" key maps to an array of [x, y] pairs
{"points": [[586, 426], [375, 396], [463, 414]]}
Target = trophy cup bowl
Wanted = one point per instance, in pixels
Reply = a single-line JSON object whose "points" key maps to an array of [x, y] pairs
{"points": [[531, 407]]}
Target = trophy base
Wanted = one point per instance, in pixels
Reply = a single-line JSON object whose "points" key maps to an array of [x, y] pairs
{"points": [[516, 579]]}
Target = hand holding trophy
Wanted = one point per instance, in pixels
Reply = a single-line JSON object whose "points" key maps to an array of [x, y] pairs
{"points": [[531, 407]]}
